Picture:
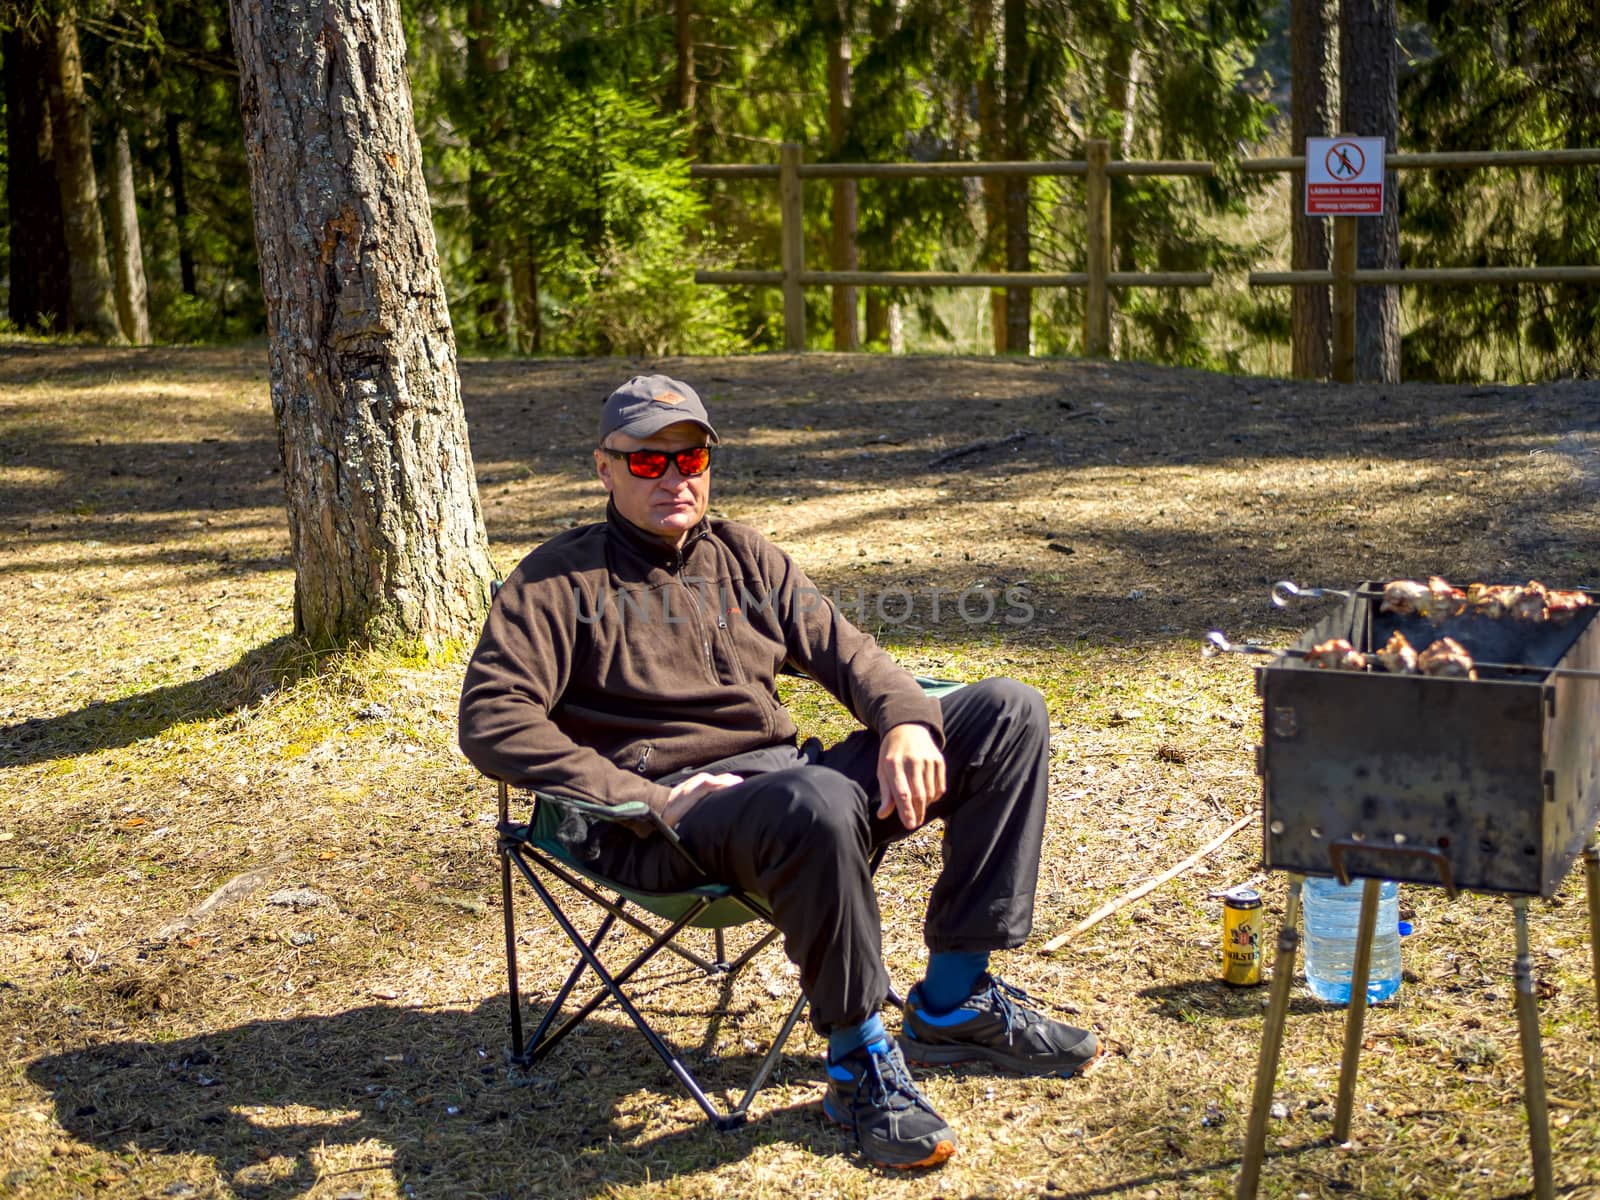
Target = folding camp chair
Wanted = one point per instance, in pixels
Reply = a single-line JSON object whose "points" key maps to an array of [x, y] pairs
{"points": [[537, 852]]}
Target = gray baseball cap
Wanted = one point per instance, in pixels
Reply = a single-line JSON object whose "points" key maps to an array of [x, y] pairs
{"points": [[647, 404]]}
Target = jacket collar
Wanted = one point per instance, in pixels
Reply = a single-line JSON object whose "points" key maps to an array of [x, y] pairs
{"points": [[646, 545]]}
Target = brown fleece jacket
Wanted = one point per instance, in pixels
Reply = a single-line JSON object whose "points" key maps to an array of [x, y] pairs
{"points": [[611, 659]]}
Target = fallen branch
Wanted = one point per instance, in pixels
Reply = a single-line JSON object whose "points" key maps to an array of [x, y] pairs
{"points": [[1145, 888], [938, 460]]}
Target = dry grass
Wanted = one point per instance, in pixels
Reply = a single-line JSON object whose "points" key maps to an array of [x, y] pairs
{"points": [[178, 772]]}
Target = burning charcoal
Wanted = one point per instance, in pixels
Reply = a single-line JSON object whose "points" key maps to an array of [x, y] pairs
{"points": [[1336, 655], [1448, 659], [1398, 655]]}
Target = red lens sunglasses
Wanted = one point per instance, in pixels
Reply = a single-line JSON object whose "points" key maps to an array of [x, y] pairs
{"points": [[652, 464]]}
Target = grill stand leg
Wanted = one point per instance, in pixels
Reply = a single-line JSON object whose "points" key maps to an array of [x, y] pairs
{"points": [[1591, 875], [1532, 1058], [1271, 1042], [1356, 1017]]}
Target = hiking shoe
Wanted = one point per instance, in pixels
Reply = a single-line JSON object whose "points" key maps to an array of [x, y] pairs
{"points": [[995, 1025], [871, 1091]]}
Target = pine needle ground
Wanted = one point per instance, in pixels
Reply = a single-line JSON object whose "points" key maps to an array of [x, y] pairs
{"points": [[251, 938]]}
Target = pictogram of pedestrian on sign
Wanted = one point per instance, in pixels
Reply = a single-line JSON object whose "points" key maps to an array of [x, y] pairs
{"points": [[1344, 177], [1345, 160]]}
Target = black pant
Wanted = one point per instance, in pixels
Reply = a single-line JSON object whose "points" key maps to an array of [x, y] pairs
{"points": [[802, 835]]}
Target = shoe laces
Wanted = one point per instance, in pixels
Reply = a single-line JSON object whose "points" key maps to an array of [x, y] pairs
{"points": [[887, 1084], [1012, 1003]]}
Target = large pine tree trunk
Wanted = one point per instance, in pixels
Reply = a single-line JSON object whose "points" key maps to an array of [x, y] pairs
{"points": [[92, 305], [385, 527], [1314, 76], [843, 255], [991, 148], [1370, 108], [1019, 301], [127, 250], [38, 246]]}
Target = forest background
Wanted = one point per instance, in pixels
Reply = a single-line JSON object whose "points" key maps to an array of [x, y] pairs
{"points": [[558, 140]]}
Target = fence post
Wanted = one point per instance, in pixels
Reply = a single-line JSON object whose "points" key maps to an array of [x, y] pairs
{"points": [[1097, 306], [792, 236], [1344, 299]]}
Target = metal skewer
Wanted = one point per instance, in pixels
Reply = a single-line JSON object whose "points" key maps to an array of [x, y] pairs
{"points": [[1217, 643], [1286, 590]]}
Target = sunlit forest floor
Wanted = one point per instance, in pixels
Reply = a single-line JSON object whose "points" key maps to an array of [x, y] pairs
{"points": [[248, 898]]}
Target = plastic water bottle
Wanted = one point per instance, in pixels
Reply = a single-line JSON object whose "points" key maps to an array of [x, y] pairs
{"points": [[1333, 919]]}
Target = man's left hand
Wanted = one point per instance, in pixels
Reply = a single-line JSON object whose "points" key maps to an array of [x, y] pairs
{"points": [[910, 773]]}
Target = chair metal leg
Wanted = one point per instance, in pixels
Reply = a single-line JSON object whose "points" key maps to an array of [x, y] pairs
{"points": [[1356, 1016], [1255, 1142], [772, 1056], [1533, 1094], [614, 907], [613, 990], [511, 953], [540, 1049]]}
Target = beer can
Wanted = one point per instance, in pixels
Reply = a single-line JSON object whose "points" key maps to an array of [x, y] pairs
{"points": [[1241, 937]]}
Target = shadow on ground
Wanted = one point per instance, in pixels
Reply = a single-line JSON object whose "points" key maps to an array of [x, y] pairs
{"points": [[273, 1105], [103, 725], [265, 1101]]}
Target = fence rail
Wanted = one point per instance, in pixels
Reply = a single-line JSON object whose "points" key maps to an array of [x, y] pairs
{"points": [[1097, 277]]}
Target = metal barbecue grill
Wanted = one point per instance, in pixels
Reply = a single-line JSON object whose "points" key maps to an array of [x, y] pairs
{"points": [[1487, 785]]}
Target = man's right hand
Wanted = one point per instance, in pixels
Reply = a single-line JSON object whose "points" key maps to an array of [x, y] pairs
{"points": [[691, 791]]}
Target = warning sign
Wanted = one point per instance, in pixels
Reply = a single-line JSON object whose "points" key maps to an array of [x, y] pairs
{"points": [[1344, 176]]}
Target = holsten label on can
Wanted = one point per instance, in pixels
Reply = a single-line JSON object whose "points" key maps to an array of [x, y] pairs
{"points": [[1241, 937]]}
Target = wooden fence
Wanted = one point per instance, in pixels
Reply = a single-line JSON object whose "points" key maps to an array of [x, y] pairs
{"points": [[1097, 278]]}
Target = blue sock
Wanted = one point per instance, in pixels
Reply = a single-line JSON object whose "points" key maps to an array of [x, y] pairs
{"points": [[849, 1038], [952, 977]]}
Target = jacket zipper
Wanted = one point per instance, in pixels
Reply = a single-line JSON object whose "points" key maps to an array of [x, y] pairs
{"points": [[694, 600], [644, 759]]}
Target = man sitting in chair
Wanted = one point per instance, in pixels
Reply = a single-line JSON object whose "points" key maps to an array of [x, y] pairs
{"points": [[636, 659]]}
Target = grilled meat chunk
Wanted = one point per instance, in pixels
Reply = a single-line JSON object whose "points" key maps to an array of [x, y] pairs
{"points": [[1336, 655], [1563, 606], [1436, 600], [1448, 659], [1397, 655], [1405, 596]]}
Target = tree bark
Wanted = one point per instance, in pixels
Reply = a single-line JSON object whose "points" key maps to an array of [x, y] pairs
{"points": [[1314, 78], [386, 531], [92, 305], [1019, 301], [485, 61], [180, 205], [133, 296], [991, 148], [683, 37], [1122, 97], [1370, 108], [40, 292], [525, 300], [843, 256]]}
